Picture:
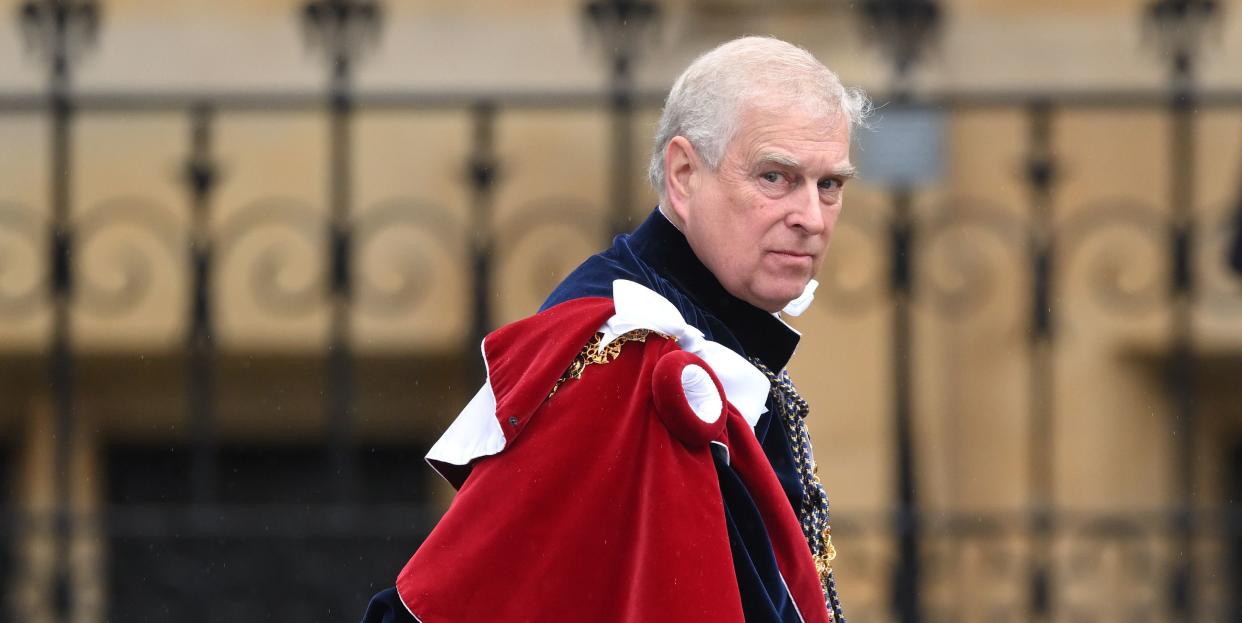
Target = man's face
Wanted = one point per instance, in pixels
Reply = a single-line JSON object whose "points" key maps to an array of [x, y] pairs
{"points": [[761, 222]]}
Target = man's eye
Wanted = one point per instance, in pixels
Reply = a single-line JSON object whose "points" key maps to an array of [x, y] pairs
{"points": [[830, 184], [771, 177]]}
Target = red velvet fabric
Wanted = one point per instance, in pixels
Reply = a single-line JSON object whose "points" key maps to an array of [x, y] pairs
{"points": [[594, 511], [525, 358]]}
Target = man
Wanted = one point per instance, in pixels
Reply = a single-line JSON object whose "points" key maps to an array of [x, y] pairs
{"points": [[673, 479]]}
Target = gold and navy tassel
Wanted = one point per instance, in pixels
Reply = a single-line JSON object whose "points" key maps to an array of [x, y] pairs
{"points": [[813, 512]]}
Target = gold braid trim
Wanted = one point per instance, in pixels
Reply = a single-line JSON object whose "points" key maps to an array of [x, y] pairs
{"points": [[594, 353], [823, 560]]}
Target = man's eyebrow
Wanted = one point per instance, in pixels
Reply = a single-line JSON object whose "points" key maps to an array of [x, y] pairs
{"points": [[779, 159], [846, 172], [785, 160]]}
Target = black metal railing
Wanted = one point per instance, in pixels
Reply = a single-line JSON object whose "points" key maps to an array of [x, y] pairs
{"points": [[1050, 243], [207, 518], [225, 547], [274, 544], [1104, 567]]}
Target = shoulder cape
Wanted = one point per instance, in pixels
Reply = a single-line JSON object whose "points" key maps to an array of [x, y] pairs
{"points": [[601, 502]]}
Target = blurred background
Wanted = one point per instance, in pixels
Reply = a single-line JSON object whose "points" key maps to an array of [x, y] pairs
{"points": [[248, 250]]}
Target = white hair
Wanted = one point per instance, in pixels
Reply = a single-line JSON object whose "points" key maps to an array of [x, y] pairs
{"points": [[708, 99]]}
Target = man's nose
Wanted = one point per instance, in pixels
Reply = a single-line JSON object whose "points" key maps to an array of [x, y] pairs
{"points": [[807, 211]]}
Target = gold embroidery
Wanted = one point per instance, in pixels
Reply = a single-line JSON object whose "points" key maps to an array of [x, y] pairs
{"points": [[594, 353]]}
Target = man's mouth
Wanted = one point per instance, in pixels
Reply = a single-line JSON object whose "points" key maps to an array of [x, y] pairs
{"points": [[792, 254], [798, 258]]}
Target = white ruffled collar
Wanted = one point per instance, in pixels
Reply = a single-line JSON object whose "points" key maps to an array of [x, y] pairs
{"points": [[639, 307], [476, 433]]}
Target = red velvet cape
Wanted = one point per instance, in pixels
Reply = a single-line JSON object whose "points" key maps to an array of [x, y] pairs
{"points": [[604, 505]]}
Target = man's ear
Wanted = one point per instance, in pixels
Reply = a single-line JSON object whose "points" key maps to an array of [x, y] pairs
{"points": [[682, 169]]}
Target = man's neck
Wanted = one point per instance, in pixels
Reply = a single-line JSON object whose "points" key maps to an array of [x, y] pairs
{"points": [[761, 334], [664, 212]]}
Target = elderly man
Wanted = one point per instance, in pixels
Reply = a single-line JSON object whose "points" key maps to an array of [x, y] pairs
{"points": [[638, 452]]}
